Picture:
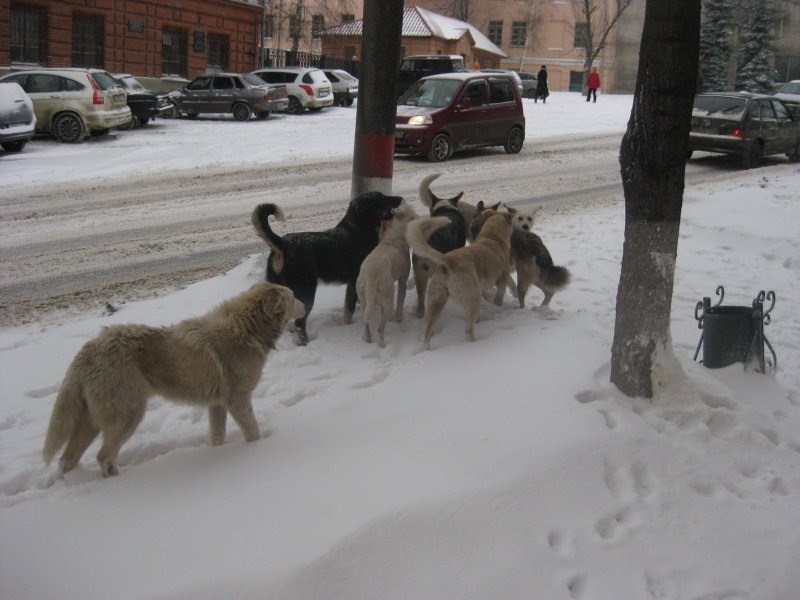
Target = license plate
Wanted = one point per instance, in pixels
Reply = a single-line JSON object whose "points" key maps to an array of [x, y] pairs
{"points": [[119, 98]]}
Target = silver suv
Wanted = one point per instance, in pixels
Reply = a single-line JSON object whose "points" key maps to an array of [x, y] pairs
{"points": [[73, 103], [307, 88]]}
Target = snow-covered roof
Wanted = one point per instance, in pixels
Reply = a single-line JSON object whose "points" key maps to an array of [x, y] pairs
{"points": [[419, 22]]}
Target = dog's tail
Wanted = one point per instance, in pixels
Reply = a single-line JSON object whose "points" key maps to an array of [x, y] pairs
{"points": [[260, 219], [553, 277], [425, 193], [417, 234], [67, 411]]}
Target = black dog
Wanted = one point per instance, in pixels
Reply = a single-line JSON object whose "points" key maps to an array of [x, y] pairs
{"points": [[444, 239], [300, 260]]}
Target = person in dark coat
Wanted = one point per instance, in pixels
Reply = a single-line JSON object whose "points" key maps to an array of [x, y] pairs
{"points": [[542, 90]]}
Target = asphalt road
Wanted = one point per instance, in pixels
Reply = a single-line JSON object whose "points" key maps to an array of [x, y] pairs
{"points": [[74, 249]]}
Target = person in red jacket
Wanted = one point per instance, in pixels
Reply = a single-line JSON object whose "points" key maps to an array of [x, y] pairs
{"points": [[593, 82]]}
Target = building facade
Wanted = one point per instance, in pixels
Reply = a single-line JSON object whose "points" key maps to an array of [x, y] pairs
{"points": [[151, 38]]}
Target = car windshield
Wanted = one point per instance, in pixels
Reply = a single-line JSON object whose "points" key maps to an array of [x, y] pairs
{"points": [[253, 79], [719, 105], [430, 92], [132, 84], [793, 87]]}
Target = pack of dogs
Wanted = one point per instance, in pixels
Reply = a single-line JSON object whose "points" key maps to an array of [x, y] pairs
{"points": [[459, 250]]}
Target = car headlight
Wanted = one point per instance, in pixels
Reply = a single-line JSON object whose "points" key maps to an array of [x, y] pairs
{"points": [[421, 120]]}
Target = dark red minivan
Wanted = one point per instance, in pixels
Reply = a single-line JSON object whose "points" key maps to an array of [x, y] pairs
{"points": [[443, 113]]}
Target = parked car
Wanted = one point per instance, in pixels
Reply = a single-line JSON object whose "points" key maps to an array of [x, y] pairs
{"points": [[308, 88], [513, 74], [529, 82], [745, 125], [345, 86], [789, 94], [144, 104], [413, 68], [452, 111], [242, 95], [72, 103], [17, 119]]}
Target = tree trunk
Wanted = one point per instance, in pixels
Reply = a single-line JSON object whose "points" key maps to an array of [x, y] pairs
{"points": [[653, 161]]}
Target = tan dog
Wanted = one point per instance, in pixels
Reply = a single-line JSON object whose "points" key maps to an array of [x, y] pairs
{"points": [[464, 273], [387, 263], [215, 360], [532, 261]]}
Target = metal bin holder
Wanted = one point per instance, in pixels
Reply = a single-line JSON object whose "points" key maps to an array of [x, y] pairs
{"points": [[735, 333]]}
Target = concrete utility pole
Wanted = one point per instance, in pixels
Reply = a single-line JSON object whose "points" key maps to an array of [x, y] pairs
{"points": [[373, 157]]}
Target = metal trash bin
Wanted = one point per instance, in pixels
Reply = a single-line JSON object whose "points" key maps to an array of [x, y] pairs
{"points": [[734, 334]]}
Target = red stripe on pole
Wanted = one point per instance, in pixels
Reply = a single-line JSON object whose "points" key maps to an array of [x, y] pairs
{"points": [[375, 155]]}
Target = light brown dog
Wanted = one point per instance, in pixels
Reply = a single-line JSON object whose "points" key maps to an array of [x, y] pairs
{"points": [[532, 262], [464, 273], [215, 361], [387, 263]]}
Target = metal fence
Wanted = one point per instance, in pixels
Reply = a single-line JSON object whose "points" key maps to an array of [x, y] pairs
{"points": [[274, 57]]}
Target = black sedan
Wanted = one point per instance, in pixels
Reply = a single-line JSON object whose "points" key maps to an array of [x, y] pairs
{"points": [[747, 126], [144, 104]]}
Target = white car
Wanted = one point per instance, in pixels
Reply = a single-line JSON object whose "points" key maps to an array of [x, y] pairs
{"points": [[71, 103], [789, 93], [307, 88], [345, 86], [17, 119]]}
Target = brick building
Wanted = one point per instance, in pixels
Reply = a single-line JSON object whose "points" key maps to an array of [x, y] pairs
{"points": [[152, 38], [424, 32]]}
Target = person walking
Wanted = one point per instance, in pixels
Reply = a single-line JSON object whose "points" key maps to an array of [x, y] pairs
{"points": [[542, 90], [592, 83]]}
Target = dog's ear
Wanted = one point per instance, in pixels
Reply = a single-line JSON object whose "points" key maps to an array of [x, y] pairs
{"points": [[511, 209], [454, 200], [481, 207], [496, 206]]}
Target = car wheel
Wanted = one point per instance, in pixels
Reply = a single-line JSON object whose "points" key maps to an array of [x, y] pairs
{"points": [[441, 148], [172, 113], [14, 146], [295, 107], [241, 112], [349, 102], [263, 114], [144, 120], [68, 128], [514, 141], [134, 122], [752, 156], [794, 155], [192, 115]]}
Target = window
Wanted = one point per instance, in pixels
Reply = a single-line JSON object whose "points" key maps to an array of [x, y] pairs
{"points": [[269, 26], [217, 56], [173, 52], [476, 93], [519, 33], [294, 26], [581, 33], [500, 91], [28, 34], [317, 25], [348, 18], [223, 83], [496, 32], [201, 83], [87, 40]]}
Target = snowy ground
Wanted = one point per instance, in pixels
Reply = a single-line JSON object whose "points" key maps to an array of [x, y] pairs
{"points": [[505, 468]]}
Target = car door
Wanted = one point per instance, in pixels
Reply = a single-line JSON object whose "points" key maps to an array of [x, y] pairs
{"points": [[502, 112], [195, 97], [768, 122], [467, 119], [45, 93], [789, 129], [222, 95]]}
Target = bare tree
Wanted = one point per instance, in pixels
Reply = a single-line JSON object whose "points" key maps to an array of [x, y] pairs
{"points": [[653, 162], [298, 20], [594, 21]]}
